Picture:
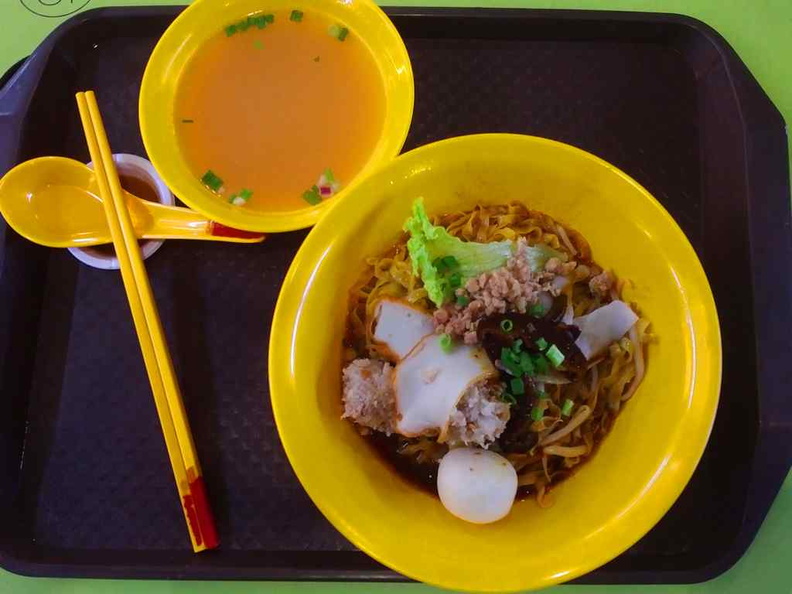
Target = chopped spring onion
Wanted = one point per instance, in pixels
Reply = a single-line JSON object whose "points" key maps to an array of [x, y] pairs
{"points": [[507, 325], [508, 397], [241, 197], [296, 16], [312, 196], [259, 20], [211, 181], [338, 32], [541, 343], [510, 362], [517, 386], [455, 280], [517, 345], [541, 363], [541, 395], [446, 264], [446, 343], [526, 364], [566, 408], [329, 176], [537, 413], [451, 263], [536, 310], [462, 300], [555, 355]]}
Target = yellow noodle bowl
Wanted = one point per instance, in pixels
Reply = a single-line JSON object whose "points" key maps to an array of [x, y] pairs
{"points": [[651, 450]]}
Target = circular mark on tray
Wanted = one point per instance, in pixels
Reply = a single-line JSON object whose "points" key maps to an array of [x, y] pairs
{"points": [[54, 8]]}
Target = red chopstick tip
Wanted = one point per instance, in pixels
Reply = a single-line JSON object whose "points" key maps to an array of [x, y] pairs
{"points": [[192, 519], [203, 512]]}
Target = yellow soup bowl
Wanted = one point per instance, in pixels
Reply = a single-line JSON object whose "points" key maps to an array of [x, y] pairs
{"points": [[204, 20], [642, 465]]}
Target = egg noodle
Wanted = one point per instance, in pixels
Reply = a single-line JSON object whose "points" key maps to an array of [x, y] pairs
{"points": [[562, 443]]}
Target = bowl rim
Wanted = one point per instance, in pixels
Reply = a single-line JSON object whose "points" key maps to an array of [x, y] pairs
{"points": [[653, 504], [388, 145]]}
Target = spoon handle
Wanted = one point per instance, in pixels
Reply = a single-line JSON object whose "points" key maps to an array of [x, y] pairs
{"points": [[157, 221]]}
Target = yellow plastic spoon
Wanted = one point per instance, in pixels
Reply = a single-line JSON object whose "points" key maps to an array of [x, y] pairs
{"points": [[54, 201]]}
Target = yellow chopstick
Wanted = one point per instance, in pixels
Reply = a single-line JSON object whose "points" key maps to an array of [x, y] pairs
{"points": [[170, 408], [172, 391]]}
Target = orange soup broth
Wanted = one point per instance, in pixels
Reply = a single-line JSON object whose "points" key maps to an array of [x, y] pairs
{"points": [[271, 109]]}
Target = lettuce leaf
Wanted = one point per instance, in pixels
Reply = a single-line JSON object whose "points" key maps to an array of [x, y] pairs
{"points": [[538, 255], [428, 243]]}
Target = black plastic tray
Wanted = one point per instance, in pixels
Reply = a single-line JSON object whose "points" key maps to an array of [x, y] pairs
{"points": [[85, 488]]}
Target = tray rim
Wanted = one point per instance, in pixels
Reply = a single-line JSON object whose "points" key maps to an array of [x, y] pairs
{"points": [[774, 435]]}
